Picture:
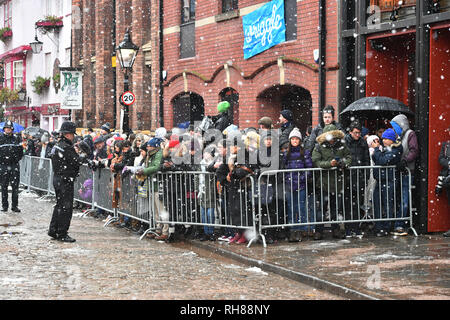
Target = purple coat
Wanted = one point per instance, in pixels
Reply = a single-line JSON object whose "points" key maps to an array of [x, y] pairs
{"points": [[295, 160], [86, 190]]}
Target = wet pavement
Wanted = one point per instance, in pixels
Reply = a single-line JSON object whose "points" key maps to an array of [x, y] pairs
{"points": [[113, 264], [390, 267]]}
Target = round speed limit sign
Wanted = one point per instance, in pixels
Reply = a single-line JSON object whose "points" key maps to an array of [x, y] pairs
{"points": [[128, 98]]}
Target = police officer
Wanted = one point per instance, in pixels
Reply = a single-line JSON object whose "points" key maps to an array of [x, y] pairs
{"points": [[66, 164], [11, 152]]}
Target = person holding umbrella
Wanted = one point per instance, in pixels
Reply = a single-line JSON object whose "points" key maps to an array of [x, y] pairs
{"points": [[11, 152]]}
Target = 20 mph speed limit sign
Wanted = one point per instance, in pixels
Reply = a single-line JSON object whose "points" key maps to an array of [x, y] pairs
{"points": [[128, 98]]}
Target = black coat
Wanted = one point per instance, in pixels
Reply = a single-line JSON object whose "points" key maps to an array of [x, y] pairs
{"points": [[221, 121], [444, 159], [359, 150], [285, 132], [66, 162], [11, 150]]}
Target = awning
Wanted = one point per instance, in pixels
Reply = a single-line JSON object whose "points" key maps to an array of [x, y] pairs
{"points": [[16, 51]]}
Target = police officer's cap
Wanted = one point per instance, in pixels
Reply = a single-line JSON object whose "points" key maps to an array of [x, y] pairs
{"points": [[8, 124], [68, 127]]}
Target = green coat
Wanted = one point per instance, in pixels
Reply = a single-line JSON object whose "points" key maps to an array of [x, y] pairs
{"points": [[152, 166], [322, 156]]}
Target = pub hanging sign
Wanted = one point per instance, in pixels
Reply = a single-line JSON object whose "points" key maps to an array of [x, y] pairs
{"points": [[71, 88]]}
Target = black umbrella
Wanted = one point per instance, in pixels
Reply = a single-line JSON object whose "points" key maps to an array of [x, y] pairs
{"points": [[375, 105], [35, 132]]}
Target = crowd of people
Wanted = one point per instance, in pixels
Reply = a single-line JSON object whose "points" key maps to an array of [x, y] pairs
{"points": [[328, 146]]}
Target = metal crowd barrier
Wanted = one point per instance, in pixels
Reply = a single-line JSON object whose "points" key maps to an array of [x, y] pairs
{"points": [[184, 194], [352, 196], [304, 198]]}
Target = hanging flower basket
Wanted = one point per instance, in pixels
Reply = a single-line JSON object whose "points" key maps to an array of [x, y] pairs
{"points": [[40, 83], [50, 23], [5, 33]]}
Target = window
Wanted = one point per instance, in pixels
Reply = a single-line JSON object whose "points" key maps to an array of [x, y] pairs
{"points": [[187, 29], [8, 75], [53, 7], [17, 74], [188, 11], [229, 5], [13, 73], [290, 17], [6, 14]]}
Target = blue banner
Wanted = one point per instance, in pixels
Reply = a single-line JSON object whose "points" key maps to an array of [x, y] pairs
{"points": [[264, 28]]}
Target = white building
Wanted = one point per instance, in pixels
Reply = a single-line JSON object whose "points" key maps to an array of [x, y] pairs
{"points": [[21, 67]]}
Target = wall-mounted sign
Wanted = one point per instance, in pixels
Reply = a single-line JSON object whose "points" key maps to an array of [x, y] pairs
{"points": [[264, 28], [71, 88]]}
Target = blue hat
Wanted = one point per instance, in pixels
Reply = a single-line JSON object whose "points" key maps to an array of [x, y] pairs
{"points": [[184, 125], [398, 130], [155, 142], [364, 131], [389, 134]]}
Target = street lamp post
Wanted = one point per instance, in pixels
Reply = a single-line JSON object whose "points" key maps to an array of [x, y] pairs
{"points": [[126, 53]]}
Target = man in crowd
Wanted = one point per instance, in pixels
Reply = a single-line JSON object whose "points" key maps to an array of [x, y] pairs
{"points": [[286, 118], [327, 119]]}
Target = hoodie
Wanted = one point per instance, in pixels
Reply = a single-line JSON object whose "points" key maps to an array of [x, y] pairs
{"points": [[400, 124]]}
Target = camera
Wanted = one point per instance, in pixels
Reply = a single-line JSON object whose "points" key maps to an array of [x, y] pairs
{"points": [[443, 182]]}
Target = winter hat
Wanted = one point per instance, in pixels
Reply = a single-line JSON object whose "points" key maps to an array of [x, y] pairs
{"points": [[99, 139], [184, 125], [265, 121], [155, 142], [398, 130], [160, 132], [173, 143], [364, 132], [371, 139], [287, 114], [223, 106], [106, 127], [295, 133], [389, 134]]}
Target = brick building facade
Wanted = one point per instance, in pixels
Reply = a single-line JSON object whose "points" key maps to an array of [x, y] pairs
{"points": [[171, 88], [284, 76]]}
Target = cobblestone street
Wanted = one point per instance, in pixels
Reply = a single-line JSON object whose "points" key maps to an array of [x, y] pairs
{"points": [[112, 263]]}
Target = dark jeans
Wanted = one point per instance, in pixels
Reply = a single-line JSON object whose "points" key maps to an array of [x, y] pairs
{"points": [[62, 211], [10, 175]]}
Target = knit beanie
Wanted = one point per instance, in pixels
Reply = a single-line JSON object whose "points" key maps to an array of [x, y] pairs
{"points": [[106, 127], [223, 106], [389, 134], [295, 133], [155, 142], [287, 114], [371, 139], [160, 133]]}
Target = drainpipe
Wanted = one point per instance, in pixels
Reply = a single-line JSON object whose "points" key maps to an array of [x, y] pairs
{"points": [[161, 64], [114, 69], [322, 51]]}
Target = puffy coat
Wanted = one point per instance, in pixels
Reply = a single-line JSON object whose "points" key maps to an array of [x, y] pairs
{"points": [[296, 160], [409, 140], [317, 131], [444, 159], [359, 150], [387, 156], [324, 152]]}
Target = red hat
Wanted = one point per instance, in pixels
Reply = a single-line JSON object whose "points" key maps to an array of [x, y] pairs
{"points": [[173, 143], [118, 138]]}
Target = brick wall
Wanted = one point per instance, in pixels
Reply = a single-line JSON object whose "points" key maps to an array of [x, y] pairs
{"points": [[220, 43]]}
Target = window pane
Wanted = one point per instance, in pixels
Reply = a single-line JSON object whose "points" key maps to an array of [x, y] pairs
{"points": [[290, 16], [187, 40]]}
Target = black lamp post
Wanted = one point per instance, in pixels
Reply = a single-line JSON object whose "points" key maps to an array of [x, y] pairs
{"points": [[126, 53], [36, 46]]}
